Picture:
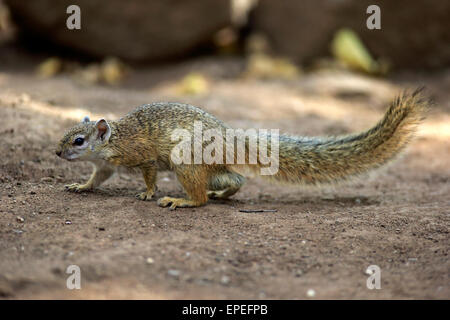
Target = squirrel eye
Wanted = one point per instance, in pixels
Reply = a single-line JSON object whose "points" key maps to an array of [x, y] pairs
{"points": [[78, 141]]}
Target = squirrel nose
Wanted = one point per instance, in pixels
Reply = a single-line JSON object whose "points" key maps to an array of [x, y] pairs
{"points": [[58, 153]]}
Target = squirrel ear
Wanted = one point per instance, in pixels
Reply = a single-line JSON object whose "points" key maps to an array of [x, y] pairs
{"points": [[103, 130], [85, 119]]}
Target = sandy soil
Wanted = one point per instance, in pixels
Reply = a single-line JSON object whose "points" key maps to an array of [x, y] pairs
{"points": [[320, 239]]}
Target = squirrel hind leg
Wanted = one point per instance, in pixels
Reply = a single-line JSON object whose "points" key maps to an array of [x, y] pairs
{"points": [[194, 181], [224, 185]]}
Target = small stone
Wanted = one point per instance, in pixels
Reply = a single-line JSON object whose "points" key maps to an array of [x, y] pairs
{"points": [[225, 280], [150, 261], [311, 293], [173, 273], [32, 192], [68, 222], [20, 219]]}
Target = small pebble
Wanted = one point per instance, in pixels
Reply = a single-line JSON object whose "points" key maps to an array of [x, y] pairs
{"points": [[173, 273], [68, 222], [20, 219], [311, 293], [150, 261], [369, 271], [225, 280]]}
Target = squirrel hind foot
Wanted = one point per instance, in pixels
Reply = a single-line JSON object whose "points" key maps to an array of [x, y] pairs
{"points": [[177, 203]]}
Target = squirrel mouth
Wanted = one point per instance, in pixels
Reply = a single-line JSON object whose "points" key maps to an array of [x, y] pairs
{"points": [[63, 156], [70, 158]]}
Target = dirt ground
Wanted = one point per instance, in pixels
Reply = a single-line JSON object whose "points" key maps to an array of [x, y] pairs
{"points": [[320, 239]]}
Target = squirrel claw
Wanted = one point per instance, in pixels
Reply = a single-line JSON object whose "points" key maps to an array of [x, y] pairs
{"points": [[76, 187], [176, 203], [164, 202], [144, 196]]}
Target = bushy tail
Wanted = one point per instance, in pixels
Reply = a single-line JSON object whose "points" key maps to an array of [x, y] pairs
{"points": [[332, 159]]}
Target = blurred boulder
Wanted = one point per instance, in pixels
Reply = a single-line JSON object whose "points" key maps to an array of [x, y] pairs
{"points": [[414, 34], [133, 29]]}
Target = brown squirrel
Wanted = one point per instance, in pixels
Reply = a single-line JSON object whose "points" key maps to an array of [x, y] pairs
{"points": [[143, 139]]}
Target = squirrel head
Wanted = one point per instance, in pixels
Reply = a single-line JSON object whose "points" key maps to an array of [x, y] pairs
{"points": [[85, 141]]}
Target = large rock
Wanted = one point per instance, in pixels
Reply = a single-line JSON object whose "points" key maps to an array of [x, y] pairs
{"points": [[130, 29], [413, 33]]}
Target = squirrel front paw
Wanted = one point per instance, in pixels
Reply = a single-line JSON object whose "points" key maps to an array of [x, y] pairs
{"points": [[145, 196], [76, 187]]}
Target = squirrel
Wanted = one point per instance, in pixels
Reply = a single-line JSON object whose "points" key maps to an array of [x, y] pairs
{"points": [[144, 139]]}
